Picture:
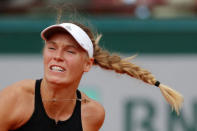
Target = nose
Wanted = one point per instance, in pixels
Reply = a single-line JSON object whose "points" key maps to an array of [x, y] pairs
{"points": [[58, 55]]}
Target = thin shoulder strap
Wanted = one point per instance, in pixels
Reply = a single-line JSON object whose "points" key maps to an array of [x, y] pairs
{"points": [[78, 94], [77, 111], [38, 99]]}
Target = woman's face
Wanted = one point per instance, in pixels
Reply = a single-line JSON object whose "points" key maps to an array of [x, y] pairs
{"points": [[64, 60]]}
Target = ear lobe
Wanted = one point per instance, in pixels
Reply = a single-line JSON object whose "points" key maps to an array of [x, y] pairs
{"points": [[88, 64]]}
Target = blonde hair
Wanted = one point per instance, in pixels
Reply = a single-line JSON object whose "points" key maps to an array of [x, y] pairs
{"points": [[114, 62]]}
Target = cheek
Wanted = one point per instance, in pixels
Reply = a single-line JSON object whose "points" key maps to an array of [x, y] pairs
{"points": [[46, 57], [76, 64]]}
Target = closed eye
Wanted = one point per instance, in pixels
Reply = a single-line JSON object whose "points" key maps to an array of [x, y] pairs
{"points": [[51, 48], [72, 52]]}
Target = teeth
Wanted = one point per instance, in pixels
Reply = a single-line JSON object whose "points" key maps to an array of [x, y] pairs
{"points": [[57, 68]]}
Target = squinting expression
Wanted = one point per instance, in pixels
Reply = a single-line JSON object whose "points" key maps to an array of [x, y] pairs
{"points": [[64, 60]]}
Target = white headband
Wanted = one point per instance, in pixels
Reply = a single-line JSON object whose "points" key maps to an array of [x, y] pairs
{"points": [[77, 33]]}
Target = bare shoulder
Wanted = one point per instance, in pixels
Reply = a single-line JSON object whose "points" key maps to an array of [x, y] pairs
{"points": [[93, 114], [12, 101], [23, 85], [18, 89]]}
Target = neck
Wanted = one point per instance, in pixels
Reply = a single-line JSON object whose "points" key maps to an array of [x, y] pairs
{"points": [[58, 91], [65, 96]]}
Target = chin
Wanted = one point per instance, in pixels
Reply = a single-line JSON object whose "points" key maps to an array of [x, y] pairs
{"points": [[55, 80]]}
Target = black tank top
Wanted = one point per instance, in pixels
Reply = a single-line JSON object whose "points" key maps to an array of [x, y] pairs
{"points": [[40, 121]]}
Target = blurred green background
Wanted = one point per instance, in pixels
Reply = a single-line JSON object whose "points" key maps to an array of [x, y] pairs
{"points": [[123, 35]]}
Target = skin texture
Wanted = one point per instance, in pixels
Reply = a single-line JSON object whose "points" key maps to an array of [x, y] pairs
{"points": [[17, 100]]}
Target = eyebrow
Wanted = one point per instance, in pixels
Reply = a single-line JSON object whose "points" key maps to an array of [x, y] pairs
{"points": [[69, 45], [50, 42]]}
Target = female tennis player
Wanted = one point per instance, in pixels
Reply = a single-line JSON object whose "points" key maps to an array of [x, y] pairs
{"points": [[54, 102]]}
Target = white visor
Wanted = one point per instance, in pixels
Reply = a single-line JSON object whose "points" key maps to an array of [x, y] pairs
{"points": [[75, 31]]}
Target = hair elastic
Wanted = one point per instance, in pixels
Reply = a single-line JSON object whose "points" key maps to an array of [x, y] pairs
{"points": [[157, 83]]}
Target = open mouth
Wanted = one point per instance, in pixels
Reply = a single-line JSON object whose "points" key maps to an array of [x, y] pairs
{"points": [[57, 68]]}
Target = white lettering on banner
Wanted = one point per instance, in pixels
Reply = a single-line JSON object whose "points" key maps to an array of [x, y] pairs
{"points": [[146, 123]]}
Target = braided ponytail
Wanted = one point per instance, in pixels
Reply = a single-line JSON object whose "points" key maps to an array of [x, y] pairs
{"points": [[114, 62]]}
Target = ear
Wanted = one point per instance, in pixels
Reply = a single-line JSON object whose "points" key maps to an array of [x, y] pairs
{"points": [[88, 64]]}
